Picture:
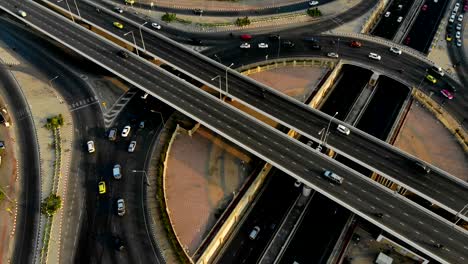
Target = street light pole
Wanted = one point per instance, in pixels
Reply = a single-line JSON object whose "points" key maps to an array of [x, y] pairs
{"points": [[69, 10], [51, 80], [216, 56], [134, 42], [328, 129], [144, 173], [141, 35], [77, 10], [162, 119], [279, 45], [227, 85], [220, 91]]}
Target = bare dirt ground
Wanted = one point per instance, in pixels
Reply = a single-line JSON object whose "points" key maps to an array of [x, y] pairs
{"points": [[425, 137]]}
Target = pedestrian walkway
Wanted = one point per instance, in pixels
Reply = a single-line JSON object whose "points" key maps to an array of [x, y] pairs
{"points": [[219, 5]]}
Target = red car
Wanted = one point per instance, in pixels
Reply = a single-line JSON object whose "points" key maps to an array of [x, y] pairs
{"points": [[447, 94], [355, 44], [424, 8], [246, 37], [465, 8]]}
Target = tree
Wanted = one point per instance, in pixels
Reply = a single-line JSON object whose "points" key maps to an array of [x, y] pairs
{"points": [[168, 17], [2, 196], [314, 12], [244, 21], [51, 204]]}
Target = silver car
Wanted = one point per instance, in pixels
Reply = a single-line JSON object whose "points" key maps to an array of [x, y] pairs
{"points": [[131, 147], [121, 207]]}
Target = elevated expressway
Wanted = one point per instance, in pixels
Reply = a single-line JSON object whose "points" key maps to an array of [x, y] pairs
{"points": [[450, 193], [409, 222]]}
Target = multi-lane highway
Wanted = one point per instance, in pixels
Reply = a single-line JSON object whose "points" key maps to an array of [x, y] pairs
{"points": [[374, 154], [412, 224]]}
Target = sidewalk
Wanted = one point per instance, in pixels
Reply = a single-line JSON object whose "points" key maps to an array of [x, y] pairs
{"points": [[219, 5]]}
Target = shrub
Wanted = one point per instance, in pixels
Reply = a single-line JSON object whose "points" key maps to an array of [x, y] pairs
{"points": [[314, 12], [245, 21], [51, 204], [54, 122], [2, 196], [169, 17]]}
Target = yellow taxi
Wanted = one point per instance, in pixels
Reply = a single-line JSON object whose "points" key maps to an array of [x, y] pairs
{"points": [[102, 187], [431, 78], [448, 37], [118, 25], [129, 2]]}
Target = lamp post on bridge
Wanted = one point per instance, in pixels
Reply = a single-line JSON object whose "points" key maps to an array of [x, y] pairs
{"points": [[134, 42]]}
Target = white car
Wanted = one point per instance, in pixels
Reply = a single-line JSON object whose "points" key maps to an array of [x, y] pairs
{"points": [[144, 96], [262, 45], [395, 50], [90, 145], [131, 147], [343, 129], [332, 55], [458, 35], [452, 18], [387, 14], [459, 26], [22, 13], [313, 3], [121, 207], [118, 9], [126, 131], [459, 44], [460, 18], [156, 25], [399, 19], [375, 56], [245, 46]]}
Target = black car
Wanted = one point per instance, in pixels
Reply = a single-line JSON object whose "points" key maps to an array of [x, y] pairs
{"points": [[316, 47], [451, 88], [288, 44], [123, 54], [118, 243], [196, 41], [2, 119], [2, 145], [422, 167], [274, 37], [198, 11]]}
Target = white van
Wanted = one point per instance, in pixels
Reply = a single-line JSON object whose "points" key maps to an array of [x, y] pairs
{"points": [[116, 172]]}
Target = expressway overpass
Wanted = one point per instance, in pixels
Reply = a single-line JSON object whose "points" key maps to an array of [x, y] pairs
{"points": [[372, 153], [366, 150], [409, 222]]}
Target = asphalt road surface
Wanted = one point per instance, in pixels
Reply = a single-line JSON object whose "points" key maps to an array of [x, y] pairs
{"points": [[226, 13], [453, 195], [360, 194], [29, 202]]}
